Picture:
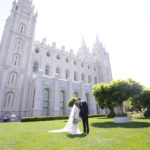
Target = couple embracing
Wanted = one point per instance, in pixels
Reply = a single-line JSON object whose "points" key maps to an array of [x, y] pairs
{"points": [[78, 112]]}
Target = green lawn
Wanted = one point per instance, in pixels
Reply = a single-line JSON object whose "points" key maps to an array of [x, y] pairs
{"points": [[104, 135]]}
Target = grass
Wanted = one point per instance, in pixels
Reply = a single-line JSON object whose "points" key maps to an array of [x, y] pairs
{"points": [[104, 135]]}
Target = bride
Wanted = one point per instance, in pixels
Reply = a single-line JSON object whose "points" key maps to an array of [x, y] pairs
{"points": [[72, 124]]}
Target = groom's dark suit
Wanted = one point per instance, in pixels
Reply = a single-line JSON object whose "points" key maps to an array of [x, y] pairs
{"points": [[84, 111]]}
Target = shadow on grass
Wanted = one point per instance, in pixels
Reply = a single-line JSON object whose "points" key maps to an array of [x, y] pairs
{"points": [[122, 125], [76, 136]]}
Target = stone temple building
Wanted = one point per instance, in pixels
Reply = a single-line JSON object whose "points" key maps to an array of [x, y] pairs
{"points": [[37, 79]]}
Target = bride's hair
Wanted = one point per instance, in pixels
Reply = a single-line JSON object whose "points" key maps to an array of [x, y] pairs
{"points": [[77, 104]]}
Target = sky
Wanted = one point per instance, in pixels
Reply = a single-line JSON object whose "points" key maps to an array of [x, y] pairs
{"points": [[123, 27]]}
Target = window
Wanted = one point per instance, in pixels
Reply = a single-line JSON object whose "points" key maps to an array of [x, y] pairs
{"points": [[13, 78], [58, 57], [88, 67], [33, 97], [67, 60], [35, 67], [47, 70], [48, 54], [82, 77], [75, 76], [75, 63], [62, 100], [9, 101], [95, 80], [94, 69], [45, 102], [22, 28], [67, 74], [37, 50], [19, 44], [76, 94], [82, 65], [87, 97], [89, 79], [16, 60], [58, 71]]}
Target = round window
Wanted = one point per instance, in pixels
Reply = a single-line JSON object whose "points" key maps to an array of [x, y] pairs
{"points": [[37, 50], [67, 60], [58, 57], [48, 54]]}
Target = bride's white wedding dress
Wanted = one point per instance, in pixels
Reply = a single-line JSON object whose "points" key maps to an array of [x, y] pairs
{"points": [[70, 126]]}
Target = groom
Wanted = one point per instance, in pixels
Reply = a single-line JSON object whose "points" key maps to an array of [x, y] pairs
{"points": [[84, 114]]}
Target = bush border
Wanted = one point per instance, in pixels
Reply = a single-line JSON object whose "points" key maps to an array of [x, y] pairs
{"points": [[47, 118]]}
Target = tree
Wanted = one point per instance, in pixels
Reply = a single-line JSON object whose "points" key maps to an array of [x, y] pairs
{"points": [[142, 100], [72, 101], [102, 96], [114, 94], [122, 90]]}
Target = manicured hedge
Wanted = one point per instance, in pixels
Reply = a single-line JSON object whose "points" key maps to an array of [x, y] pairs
{"points": [[46, 118]]}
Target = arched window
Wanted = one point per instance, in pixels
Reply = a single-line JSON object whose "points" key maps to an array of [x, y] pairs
{"points": [[47, 69], [95, 80], [75, 76], [62, 100], [22, 28], [82, 77], [87, 97], [35, 67], [13, 79], [16, 60], [58, 57], [58, 71], [75, 62], [45, 102], [76, 94], [89, 79], [67, 74], [19, 44], [33, 97], [9, 101]]}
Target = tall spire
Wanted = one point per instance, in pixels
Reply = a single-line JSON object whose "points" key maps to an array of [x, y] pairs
{"points": [[83, 44]]}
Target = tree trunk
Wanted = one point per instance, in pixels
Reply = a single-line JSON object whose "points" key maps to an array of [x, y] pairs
{"points": [[120, 109]]}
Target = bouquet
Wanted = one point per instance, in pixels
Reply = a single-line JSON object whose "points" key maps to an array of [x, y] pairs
{"points": [[75, 121]]}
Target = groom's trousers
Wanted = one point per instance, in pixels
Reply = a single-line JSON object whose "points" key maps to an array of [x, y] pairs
{"points": [[85, 124]]}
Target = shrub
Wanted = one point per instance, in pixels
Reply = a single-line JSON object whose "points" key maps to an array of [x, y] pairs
{"points": [[72, 101], [43, 118], [147, 113], [47, 118]]}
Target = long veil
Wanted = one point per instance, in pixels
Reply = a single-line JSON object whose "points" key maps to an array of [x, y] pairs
{"points": [[68, 126]]}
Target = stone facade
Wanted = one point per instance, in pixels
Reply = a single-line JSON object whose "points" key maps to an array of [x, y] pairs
{"points": [[37, 79]]}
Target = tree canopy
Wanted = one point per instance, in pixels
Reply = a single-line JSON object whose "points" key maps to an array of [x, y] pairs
{"points": [[142, 100], [114, 94]]}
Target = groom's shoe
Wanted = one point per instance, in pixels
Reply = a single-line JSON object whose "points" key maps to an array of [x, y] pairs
{"points": [[87, 132]]}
